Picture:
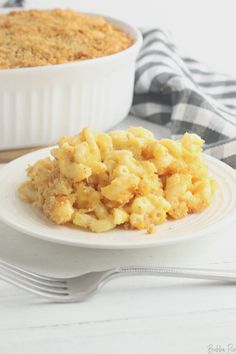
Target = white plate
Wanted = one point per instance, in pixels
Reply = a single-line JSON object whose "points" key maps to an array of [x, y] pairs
{"points": [[31, 221]]}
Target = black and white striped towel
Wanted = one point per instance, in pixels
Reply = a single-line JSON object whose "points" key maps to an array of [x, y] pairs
{"points": [[185, 95]]}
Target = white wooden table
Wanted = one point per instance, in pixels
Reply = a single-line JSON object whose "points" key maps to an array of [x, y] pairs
{"points": [[130, 315]]}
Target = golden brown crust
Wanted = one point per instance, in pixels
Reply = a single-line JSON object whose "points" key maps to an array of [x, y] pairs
{"points": [[46, 37]]}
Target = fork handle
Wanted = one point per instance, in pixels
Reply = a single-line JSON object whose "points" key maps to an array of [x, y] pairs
{"points": [[178, 272]]}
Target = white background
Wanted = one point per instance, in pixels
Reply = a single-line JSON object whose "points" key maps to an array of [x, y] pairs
{"points": [[204, 29]]}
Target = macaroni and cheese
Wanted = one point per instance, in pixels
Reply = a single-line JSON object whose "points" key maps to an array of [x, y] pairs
{"points": [[98, 181]]}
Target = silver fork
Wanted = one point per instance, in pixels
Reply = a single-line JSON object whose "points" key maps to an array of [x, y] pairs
{"points": [[80, 287]]}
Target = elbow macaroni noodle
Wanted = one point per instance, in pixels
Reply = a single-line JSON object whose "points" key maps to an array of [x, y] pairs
{"points": [[98, 181]]}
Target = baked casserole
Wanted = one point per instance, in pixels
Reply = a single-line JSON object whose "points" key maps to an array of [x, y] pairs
{"points": [[45, 37]]}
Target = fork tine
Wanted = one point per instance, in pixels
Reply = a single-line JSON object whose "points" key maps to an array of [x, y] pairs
{"points": [[26, 273], [31, 285], [57, 297], [34, 280]]}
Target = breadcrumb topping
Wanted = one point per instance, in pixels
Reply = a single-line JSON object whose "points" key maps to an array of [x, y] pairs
{"points": [[48, 37]]}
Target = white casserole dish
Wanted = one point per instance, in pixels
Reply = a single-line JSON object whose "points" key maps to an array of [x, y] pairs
{"points": [[39, 104]]}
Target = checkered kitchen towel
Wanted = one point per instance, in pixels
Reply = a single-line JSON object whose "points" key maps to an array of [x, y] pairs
{"points": [[185, 95]]}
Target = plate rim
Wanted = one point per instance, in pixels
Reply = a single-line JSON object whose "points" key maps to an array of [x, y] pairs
{"points": [[115, 245]]}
